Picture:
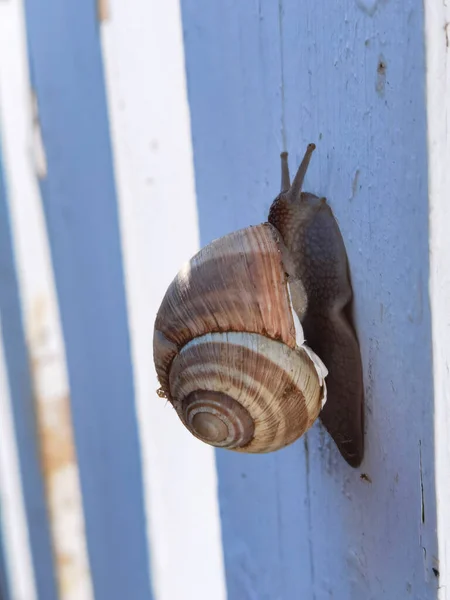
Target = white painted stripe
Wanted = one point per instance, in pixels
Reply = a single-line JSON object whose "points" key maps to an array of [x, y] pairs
{"points": [[144, 58], [18, 559], [24, 160], [437, 36]]}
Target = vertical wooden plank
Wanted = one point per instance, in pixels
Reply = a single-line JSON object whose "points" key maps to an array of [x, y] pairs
{"points": [[150, 131], [438, 105], [365, 94], [16, 563], [20, 390], [81, 215], [349, 77], [234, 71], [20, 125]]}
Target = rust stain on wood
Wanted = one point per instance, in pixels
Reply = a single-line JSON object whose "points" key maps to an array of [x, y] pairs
{"points": [[55, 436], [103, 10], [58, 454]]}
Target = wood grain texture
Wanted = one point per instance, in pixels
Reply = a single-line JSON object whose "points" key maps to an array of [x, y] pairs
{"points": [[265, 77]]}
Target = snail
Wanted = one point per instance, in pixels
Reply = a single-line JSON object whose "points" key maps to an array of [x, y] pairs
{"points": [[254, 339]]}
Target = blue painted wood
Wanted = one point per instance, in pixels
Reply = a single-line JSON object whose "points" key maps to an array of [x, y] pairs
{"points": [[19, 376], [81, 214], [263, 77]]}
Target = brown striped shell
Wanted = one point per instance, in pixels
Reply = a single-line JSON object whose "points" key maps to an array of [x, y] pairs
{"points": [[229, 351]]}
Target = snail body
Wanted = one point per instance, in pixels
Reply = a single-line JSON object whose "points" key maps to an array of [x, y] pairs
{"points": [[229, 341]]}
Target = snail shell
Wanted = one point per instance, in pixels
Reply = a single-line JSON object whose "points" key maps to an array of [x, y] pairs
{"points": [[229, 349]]}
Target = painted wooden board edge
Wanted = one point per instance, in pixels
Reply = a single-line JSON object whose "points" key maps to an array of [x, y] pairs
{"points": [[437, 35]]}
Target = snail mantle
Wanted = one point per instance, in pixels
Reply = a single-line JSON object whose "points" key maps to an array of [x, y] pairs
{"points": [[229, 341]]}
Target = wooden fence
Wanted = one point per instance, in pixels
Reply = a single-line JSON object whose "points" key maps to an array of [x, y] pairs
{"points": [[131, 134]]}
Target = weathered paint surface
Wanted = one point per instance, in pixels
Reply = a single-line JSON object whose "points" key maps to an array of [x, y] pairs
{"points": [[263, 77], [438, 107], [81, 218], [23, 416], [21, 132], [149, 119]]}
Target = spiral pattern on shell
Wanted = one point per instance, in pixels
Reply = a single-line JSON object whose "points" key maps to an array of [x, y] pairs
{"points": [[217, 419], [223, 385]]}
